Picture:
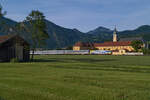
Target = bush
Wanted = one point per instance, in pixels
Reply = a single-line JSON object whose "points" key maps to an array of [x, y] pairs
{"points": [[14, 60], [94, 49], [146, 51]]}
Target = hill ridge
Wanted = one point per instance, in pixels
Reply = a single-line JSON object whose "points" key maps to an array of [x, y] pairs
{"points": [[61, 37]]}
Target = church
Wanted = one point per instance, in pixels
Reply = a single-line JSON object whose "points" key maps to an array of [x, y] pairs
{"points": [[116, 45]]}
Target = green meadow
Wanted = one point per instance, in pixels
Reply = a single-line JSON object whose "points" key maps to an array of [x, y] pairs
{"points": [[77, 77]]}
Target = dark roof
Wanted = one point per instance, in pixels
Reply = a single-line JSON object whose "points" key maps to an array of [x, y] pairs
{"points": [[5, 38], [120, 43], [8, 37], [132, 39]]}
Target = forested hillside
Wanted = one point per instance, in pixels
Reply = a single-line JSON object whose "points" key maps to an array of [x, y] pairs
{"points": [[61, 37]]}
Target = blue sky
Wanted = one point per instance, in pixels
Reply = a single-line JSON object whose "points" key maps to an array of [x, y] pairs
{"points": [[84, 15]]}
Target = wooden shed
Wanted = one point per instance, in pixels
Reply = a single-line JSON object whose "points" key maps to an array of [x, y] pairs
{"points": [[14, 46]]}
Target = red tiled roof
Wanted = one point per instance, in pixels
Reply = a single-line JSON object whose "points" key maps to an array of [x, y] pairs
{"points": [[120, 43], [4, 38], [84, 44]]}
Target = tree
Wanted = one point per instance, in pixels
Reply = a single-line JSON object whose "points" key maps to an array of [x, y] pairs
{"points": [[137, 44], [1, 11], [36, 26], [69, 48], [2, 14], [146, 51]]}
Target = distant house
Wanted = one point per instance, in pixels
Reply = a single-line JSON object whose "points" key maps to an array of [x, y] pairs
{"points": [[123, 45], [83, 46], [13, 46]]}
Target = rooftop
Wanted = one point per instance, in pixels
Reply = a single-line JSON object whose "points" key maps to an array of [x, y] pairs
{"points": [[5, 38], [82, 44], [120, 43]]}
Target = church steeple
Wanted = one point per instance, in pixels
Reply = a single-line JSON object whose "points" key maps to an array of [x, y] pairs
{"points": [[115, 35]]}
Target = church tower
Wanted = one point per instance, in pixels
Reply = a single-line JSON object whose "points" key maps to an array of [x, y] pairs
{"points": [[115, 35]]}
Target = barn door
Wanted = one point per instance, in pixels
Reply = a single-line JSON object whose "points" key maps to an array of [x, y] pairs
{"points": [[19, 52]]}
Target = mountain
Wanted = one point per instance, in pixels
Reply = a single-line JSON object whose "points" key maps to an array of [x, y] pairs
{"points": [[101, 34], [142, 31], [61, 37], [105, 34], [100, 30], [5, 25]]}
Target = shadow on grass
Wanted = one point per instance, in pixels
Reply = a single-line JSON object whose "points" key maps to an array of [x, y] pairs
{"points": [[44, 60], [1, 98], [84, 60], [105, 68]]}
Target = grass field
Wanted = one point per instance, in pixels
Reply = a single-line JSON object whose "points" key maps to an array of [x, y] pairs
{"points": [[77, 77]]}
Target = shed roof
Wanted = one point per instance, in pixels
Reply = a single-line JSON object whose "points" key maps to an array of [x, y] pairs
{"points": [[8, 37], [5, 38]]}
